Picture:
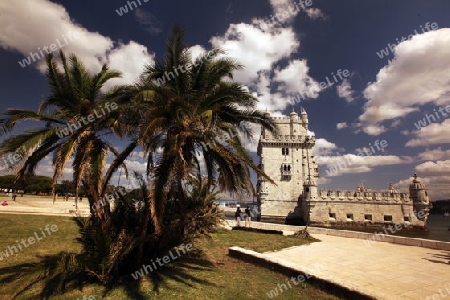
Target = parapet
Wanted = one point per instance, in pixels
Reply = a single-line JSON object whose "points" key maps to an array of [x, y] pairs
{"points": [[366, 196]]}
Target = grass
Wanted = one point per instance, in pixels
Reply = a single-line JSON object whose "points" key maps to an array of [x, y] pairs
{"points": [[208, 273], [259, 241]]}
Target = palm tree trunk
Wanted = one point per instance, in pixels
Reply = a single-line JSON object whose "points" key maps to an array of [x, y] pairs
{"points": [[140, 254]]}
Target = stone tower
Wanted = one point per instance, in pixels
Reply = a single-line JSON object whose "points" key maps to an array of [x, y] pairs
{"points": [[419, 196], [286, 156]]}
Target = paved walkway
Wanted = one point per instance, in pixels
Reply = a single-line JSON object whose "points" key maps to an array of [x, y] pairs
{"points": [[43, 206], [382, 270]]}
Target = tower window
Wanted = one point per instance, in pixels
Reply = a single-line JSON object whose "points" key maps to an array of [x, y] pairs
{"points": [[388, 218], [285, 151], [286, 169]]}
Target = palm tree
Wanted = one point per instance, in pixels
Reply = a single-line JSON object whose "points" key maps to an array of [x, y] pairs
{"points": [[189, 127], [77, 118], [196, 115]]}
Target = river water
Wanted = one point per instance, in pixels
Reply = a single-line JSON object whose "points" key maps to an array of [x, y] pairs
{"points": [[438, 226]]}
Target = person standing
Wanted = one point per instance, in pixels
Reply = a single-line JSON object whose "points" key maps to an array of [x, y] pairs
{"points": [[237, 215], [14, 195], [248, 216]]}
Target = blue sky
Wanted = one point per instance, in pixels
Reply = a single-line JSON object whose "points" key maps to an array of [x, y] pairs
{"points": [[388, 91]]}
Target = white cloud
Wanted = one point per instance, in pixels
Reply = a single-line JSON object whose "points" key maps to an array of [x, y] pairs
{"points": [[435, 154], [30, 25], [196, 51], [341, 125], [284, 10], [260, 47], [417, 75], [435, 133], [315, 13], [45, 168], [257, 46], [433, 168], [396, 123], [136, 166], [273, 102], [344, 90], [323, 147], [295, 80], [148, 20], [374, 129], [130, 60], [351, 163], [323, 180]]}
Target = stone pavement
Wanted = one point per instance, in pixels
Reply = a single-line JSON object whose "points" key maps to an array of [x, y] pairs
{"points": [[44, 206], [382, 270]]}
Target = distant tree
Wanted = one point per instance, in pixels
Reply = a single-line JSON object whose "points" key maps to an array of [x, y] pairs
{"points": [[38, 184], [66, 186], [7, 182], [30, 183]]}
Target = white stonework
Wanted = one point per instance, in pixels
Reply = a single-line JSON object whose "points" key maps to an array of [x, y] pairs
{"points": [[285, 156]]}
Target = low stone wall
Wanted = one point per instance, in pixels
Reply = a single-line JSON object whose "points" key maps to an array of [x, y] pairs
{"points": [[272, 226], [432, 244]]}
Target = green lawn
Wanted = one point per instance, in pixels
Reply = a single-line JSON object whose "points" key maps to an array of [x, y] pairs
{"points": [[205, 274]]}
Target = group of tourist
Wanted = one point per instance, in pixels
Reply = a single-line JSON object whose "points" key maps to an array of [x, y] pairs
{"points": [[247, 216]]}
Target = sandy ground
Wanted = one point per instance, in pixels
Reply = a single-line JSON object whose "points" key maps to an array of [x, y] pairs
{"points": [[42, 205]]}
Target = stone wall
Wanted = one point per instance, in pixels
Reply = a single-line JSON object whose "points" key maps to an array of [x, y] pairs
{"points": [[290, 229]]}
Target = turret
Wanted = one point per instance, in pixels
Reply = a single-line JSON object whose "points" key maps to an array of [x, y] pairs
{"points": [[304, 119], [419, 196], [392, 192], [294, 122], [293, 116], [263, 130], [309, 189]]}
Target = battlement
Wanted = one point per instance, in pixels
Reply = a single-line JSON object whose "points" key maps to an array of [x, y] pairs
{"points": [[280, 118], [363, 196], [288, 137]]}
